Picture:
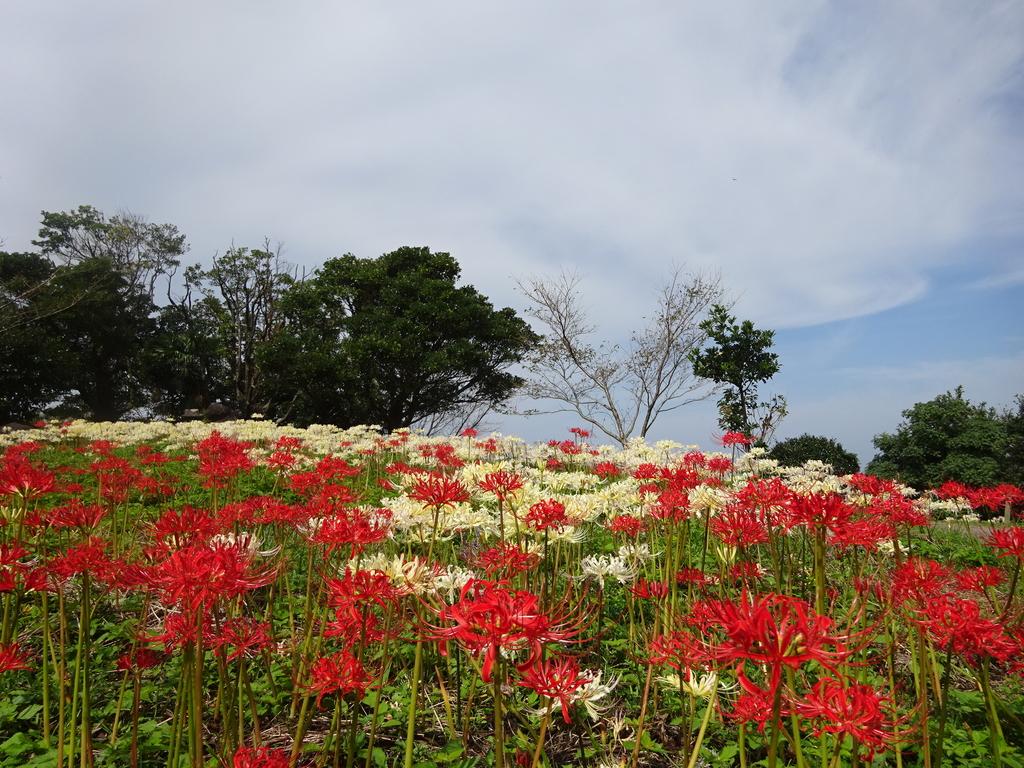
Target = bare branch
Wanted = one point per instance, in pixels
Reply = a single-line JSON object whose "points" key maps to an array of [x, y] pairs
{"points": [[619, 392]]}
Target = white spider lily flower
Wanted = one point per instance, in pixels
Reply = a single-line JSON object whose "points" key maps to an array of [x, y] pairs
{"points": [[590, 694], [636, 553], [451, 581], [700, 686], [601, 567], [570, 534], [708, 500], [245, 541]]}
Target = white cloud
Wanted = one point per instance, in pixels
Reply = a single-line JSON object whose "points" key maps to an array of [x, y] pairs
{"points": [[823, 158]]}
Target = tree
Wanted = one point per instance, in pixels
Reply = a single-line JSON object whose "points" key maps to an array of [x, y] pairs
{"points": [[799, 450], [392, 341], [243, 288], [620, 392], [739, 359], [101, 338], [1013, 420], [947, 438], [30, 376], [188, 360], [139, 250]]}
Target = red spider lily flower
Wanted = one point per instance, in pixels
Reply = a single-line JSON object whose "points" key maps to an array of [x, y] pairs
{"points": [[567, 447], [336, 468], [769, 497], [142, 658], [340, 673], [719, 464], [692, 576], [996, 498], [739, 527], [646, 472], [679, 649], [979, 579], [746, 572], [89, 557], [180, 630], [76, 515], [580, 432], [866, 533], [695, 459], [468, 432], [502, 484], [819, 510], [507, 559], [673, 505], [439, 491], [443, 454], [918, 580], [200, 575], [607, 470], [756, 705], [490, 618], [356, 591], [840, 707], [116, 478], [644, 589], [358, 528], [871, 485], [546, 514], [247, 637], [20, 477], [736, 438], [221, 459], [13, 658], [261, 757], [897, 510], [186, 525], [627, 525], [953, 490], [1009, 540], [773, 630], [957, 624], [556, 679]]}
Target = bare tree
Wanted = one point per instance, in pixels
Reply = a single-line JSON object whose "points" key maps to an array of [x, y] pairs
{"points": [[620, 392]]}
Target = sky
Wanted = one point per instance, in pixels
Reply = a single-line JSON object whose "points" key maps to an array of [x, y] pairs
{"points": [[854, 171]]}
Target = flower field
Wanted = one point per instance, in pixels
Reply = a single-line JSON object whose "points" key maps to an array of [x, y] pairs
{"points": [[257, 596]]}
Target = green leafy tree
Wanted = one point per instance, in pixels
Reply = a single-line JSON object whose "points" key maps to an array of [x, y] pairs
{"points": [[187, 359], [392, 341], [30, 375], [139, 250], [798, 450], [738, 358], [243, 289], [947, 438], [101, 336], [1013, 419]]}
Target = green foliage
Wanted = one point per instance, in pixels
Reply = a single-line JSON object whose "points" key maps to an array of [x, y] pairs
{"points": [[1013, 419], [947, 438], [29, 381], [391, 341], [140, 251], [795, 451], [739, 358]]}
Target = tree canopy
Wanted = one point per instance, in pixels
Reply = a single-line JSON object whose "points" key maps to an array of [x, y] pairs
{"points": [[738, 358], [795, 451], [946, 438], [393, 341]]}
